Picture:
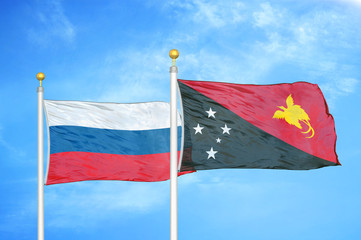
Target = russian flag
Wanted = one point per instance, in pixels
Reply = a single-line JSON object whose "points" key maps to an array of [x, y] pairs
{"points": [[108, 141]]}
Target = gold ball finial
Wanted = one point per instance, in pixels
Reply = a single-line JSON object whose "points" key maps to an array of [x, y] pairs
{"points": [[173, 54], [40, 76]]}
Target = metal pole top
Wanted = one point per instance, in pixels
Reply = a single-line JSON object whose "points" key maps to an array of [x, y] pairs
{"points": [[40, 76], [173, 54]]}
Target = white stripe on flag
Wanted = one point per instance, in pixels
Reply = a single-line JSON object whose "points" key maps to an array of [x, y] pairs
{"points": [[134, 116]]}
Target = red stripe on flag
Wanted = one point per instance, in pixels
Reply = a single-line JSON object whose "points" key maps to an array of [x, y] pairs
{"points": [[81, 166]]}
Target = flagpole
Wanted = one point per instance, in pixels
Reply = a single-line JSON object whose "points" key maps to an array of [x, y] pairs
{"points": [[40, 76], [173, 148]]}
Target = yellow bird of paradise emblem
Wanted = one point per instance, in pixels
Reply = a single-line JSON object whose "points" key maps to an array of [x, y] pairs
{"points": [[293, 114]]}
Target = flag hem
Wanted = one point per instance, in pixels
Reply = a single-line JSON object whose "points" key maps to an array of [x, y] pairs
{"points": [[182, 125], [48, 132]]}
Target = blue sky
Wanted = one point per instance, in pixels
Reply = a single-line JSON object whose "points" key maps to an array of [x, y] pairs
{"points": [[117, 51]]}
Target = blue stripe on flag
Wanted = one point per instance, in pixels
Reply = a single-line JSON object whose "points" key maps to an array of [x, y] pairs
{"points": [[126, 142]]}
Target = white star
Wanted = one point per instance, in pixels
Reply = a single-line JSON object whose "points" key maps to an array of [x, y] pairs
{"points": [[198, 129], [211, 153], [218, 140], [211, 113], [226, 129]]}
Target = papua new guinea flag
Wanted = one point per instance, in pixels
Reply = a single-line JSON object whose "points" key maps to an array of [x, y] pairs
{"points": [[108, 141], [281, 126]]}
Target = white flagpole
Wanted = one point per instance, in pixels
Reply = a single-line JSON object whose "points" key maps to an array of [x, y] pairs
{"points": [[173, 148], [40, 76]]}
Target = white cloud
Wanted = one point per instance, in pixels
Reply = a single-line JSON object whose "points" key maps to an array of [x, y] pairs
{"points": [[268, 16], [52, 24], [214, 14], [218, 15], [341, 87], [353, 2], [304, 34], [336, 88], [347, 85]]}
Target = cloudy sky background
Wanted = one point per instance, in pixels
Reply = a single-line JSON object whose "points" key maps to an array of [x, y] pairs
{"points": [[117, 51]]}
